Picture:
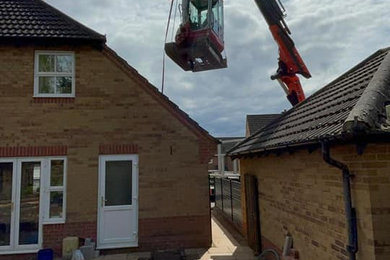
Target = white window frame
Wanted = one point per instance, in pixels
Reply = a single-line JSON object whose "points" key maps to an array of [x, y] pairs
{"points": [[14, 248], [38, 74], [48, 189]]}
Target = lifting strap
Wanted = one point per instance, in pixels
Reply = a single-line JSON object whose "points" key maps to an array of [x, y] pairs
{"points": [[165, 41]]}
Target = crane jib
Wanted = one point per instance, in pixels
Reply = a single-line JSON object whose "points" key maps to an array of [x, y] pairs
{"points": [[273, 12]]}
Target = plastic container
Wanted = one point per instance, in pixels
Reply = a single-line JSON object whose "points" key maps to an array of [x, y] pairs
{"points": [[45, 254], [77, 255]]}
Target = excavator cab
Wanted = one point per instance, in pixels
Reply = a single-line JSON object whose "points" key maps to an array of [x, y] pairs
{"points": [[199, 44]]}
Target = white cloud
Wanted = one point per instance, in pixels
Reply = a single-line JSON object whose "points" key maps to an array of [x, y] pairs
{"points": [[331, 35]]}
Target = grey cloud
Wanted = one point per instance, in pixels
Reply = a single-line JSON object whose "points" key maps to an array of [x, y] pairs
{"points": [[331, 36]]}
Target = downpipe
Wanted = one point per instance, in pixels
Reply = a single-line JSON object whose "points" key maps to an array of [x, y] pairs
{"points": [[350, 212]]}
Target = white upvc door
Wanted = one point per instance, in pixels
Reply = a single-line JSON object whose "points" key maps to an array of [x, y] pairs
{"points": [[20, 205], [118, 201]]}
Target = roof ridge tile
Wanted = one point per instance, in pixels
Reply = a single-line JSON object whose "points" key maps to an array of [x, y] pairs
{"points": [[371, 104]]}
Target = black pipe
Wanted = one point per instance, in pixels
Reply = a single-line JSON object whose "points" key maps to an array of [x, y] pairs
{"points": [[350, 212]]}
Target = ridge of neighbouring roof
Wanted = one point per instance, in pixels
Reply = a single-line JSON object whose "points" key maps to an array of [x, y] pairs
{"points": [[352, 102], [30, 20], [257, 122]]}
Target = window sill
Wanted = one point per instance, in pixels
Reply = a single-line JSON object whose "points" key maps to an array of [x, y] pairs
{"points": [[53, 222], [54, 100], [19, 252]]}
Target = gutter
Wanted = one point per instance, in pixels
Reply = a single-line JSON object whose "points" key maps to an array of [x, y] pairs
{"points": [[350, 212], [272, 148]]}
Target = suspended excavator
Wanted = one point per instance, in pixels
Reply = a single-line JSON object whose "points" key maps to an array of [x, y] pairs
{"points": [[199, 44]]}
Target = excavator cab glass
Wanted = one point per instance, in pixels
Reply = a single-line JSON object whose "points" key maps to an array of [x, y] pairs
{"points": [[199, 41]]}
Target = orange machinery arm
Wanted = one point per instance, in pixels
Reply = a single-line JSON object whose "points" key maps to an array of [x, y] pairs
{"points": [[290, 62]]}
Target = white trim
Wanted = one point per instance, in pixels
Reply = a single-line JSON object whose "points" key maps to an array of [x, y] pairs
{"points": [[60, 74], [101, 192], [48, 189], [16, 217], [117, 245], [19, 252], [16, 245]]}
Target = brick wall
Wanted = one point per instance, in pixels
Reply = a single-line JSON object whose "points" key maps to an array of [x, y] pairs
{"points": [[54, 233], [19, 257], [176, 232], [301, 194], [112, 108]]}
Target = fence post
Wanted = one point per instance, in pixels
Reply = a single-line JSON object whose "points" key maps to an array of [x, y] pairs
{"points": [[231, 199], [221, 192]]}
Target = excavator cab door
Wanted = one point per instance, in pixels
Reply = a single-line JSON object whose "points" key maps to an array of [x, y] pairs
{"points": [[199, 44]]}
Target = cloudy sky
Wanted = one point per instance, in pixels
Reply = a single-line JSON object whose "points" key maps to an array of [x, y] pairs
{"points": [[331, 35]]}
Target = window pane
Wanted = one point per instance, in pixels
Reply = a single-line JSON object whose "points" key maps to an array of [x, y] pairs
{"points": [[57, 173], [46, 85], [5, 202], [204, 21], [56, 199], [193, 16], [64, 85], [214, 18], [64, 63], [46, 63], [29, 203], [118, 183]]}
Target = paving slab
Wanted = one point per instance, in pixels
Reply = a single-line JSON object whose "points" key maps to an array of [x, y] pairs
{"points": [[224, 247]]}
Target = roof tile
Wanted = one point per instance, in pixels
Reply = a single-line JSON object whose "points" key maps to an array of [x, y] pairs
{"points": [[36, 19], [257, 122]]}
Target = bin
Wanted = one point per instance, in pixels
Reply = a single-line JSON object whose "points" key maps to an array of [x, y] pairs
{"points": [[45, 254]]}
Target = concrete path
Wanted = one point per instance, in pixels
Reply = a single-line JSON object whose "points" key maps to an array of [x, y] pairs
{"points": [[224, 247]]}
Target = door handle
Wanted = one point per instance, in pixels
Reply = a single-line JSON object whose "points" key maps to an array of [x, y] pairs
{"points": [[103, 201]]}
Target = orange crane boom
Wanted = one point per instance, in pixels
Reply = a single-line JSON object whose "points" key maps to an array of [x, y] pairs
{"points": [[290, 62]]}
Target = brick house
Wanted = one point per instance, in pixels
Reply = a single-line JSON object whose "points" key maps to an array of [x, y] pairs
{"points": [[88, 147], [321, 172], [222, 163]]}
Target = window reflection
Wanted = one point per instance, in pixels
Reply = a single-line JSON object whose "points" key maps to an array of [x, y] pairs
{"points": [[56, 204], [118, 183], [64, 63], [29, 203], [46, 63]]}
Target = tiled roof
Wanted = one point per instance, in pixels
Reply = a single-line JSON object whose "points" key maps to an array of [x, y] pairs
{"points": [[226, 146], [257, 122], [354, 102], [35, 19], [228, 143]]}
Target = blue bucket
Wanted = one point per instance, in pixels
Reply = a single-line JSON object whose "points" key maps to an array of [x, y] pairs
{"points": [[45, 254]]}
